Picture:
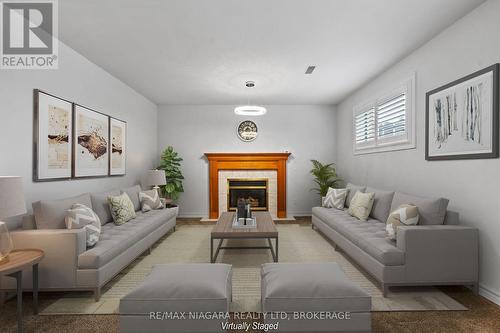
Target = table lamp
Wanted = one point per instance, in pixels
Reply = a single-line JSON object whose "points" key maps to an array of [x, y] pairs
{"points": [[11, 204], [155, 178]]}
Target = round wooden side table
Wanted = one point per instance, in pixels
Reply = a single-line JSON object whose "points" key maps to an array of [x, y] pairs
{"points": [[13, 266]]}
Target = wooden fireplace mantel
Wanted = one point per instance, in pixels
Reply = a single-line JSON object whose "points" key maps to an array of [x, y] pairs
{"points": [[246, 161]]}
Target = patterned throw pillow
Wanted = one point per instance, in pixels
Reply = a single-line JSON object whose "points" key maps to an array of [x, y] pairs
{"points": [[335, 198], [80, 216], [122, 208], [361, 205], [150, 200], [405, 215]]}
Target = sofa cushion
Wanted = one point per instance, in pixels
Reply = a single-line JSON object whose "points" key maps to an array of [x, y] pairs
{"points": [[100, 205], [351, 191], [381, 203], [115, 239], [181, 288], [369, 235], [50, 214], [432, 211], [325, 287], [133, 194]]}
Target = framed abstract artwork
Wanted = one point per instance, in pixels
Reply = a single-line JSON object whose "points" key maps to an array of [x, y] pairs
{"points": [[91, 143], [52, 137], [462, 118], [118, 156]]}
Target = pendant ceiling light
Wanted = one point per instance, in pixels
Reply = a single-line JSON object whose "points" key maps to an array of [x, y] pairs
{"points": [[250, 110]]}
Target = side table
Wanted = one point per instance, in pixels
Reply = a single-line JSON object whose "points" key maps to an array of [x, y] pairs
{"points": [[13, 266]]}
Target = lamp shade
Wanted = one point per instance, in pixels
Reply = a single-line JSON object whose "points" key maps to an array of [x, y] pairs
{"points": [[11, 197], [156, 177]]}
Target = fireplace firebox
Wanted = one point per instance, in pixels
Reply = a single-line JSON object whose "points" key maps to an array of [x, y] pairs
{"points": [[253, 191]]}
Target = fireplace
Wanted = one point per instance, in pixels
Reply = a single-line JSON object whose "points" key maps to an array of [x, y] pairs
{"points": [[253, 191], [246, 163]]}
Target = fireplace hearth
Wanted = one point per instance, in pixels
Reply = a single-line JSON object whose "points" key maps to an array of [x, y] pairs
{"points": [[253, 191]]}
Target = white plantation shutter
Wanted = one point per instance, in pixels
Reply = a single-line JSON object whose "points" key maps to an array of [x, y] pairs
{"points": [[391, 117], [365, 126], [386, 123]]}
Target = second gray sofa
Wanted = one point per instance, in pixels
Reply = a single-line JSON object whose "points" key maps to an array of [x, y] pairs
{"points": [[437, 251]]}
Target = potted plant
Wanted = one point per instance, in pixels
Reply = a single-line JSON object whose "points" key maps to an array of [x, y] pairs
{"points": [[325, 176], [171, 163]]}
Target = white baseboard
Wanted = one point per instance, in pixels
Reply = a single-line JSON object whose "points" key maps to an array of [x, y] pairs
{"points": [[307, 213], [192, 215], [490, 295]]}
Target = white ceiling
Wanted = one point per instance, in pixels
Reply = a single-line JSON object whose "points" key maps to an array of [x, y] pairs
{"points": [[202, 52]]}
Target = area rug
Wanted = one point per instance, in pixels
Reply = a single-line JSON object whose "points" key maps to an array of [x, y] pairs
{"points": [[297, 243]]}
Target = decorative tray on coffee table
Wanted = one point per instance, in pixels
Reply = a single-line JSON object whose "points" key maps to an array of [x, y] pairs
{"points": [[241, 223]]}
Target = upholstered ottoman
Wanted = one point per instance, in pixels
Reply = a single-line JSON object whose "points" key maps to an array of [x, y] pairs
{"points": [[313, 297], [178, 298]]}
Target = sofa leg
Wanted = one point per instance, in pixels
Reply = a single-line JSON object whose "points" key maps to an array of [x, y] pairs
{"points": [[97, 294], [174, 228], [150, 250], [385, 290], [312, 226]]}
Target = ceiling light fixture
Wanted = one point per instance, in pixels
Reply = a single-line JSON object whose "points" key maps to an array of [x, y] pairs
{"points": [[250, 110]]}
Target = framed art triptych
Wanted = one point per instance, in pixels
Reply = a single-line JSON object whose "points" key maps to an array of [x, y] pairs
{"points": [[73, 141]]}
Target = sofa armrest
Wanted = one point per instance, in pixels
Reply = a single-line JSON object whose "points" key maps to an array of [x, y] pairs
{"points": [[440, 252], [61, 246]]}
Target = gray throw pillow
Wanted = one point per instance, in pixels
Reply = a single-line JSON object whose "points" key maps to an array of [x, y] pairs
{"points": [[82, 217], [100, 205], [381, 203]]}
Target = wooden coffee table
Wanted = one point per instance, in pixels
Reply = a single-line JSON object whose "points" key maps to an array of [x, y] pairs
{"points": [[224, 230]]}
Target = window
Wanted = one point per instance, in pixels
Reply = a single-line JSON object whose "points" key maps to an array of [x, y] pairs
{"points": [[387, 122]]}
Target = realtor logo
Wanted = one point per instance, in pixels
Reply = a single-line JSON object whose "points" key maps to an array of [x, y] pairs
{"points": [[29, 34]]}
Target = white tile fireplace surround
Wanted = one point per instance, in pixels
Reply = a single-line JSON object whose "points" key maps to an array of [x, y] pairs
{"points": [[270, 175]]}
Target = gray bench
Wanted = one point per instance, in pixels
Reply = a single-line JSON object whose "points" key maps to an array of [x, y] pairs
{"points": [[317, 297], [172, 294]]}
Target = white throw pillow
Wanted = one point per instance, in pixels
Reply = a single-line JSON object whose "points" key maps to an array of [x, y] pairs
{"points": [[80, 216], [150, 200], [406, 214], [335, 198]]}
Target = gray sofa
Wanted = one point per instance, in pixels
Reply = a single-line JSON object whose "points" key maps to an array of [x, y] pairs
{"points": [[68, 264], [437, 251]]}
